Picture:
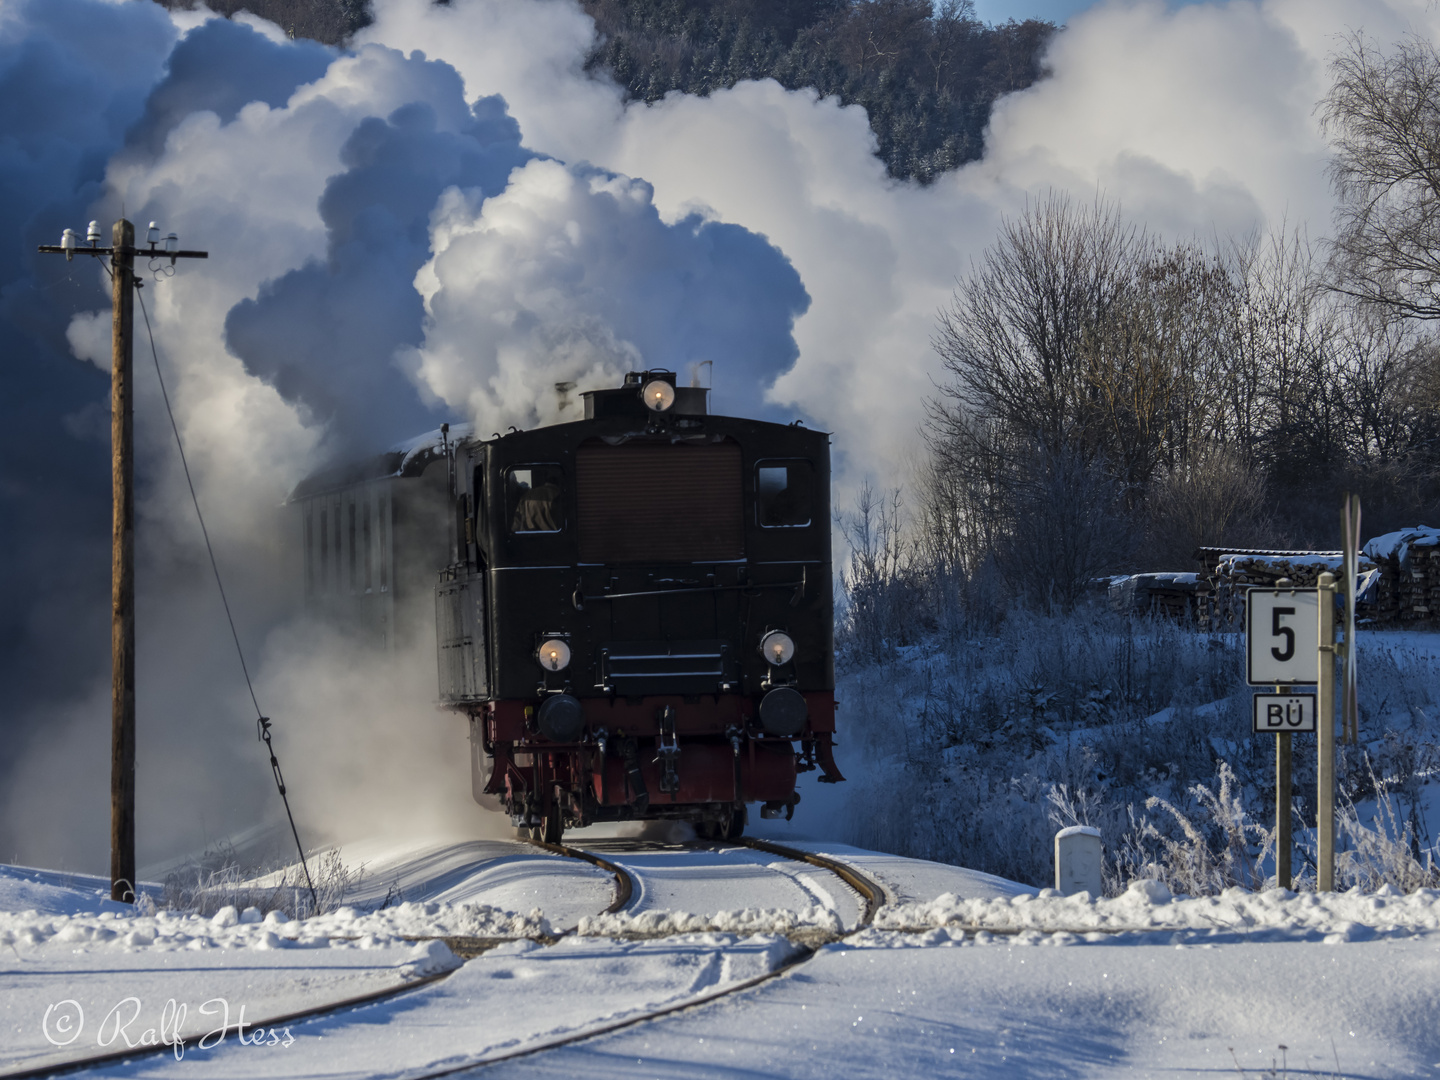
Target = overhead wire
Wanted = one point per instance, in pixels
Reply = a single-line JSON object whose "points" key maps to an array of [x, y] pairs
{"points": [[262, 722]]}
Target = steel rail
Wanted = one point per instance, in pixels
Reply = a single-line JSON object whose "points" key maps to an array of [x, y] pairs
{"points": [[870, 890], [624, 884]]}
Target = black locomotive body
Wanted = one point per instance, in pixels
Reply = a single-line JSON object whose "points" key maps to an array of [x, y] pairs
{"points": [[637, 619]]}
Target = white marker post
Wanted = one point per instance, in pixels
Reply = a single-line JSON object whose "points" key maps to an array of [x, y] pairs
{"points": [[1078, 861]]}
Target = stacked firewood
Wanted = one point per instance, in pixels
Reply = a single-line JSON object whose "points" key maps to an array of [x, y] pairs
{"points": [[1186, 598], [1398, 583], [1235, 572], [1409, 587]]}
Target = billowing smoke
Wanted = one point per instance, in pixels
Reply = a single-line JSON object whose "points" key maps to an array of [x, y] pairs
{"points": [[325, 335], [442, 224], [571, 276]]}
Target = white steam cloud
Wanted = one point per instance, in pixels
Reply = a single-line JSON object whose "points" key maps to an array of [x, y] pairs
{"points": [[453, 218], [570, 276]]}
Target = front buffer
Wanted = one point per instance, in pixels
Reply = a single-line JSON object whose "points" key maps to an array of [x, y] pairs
{"points": [[565, 761]]}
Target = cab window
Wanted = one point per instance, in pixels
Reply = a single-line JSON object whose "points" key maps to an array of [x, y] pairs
{"points": [[784, 493], [534, 498]]}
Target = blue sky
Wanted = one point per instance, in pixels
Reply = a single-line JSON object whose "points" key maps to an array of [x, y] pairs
{"points": [[998, 11]]}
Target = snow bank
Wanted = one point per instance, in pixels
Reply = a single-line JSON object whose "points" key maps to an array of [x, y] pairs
{"points": [[230, 929], [746, 921], [1149, 905], [51, 892]]}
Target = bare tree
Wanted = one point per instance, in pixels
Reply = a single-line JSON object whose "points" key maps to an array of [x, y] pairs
{"points": [[1069, 525], [1154, 365], [1389, 379], [1382, 116], [1012, 337], [1101, 379], [1279, 385], [881, 607], [953, 25], [1213, 497]]}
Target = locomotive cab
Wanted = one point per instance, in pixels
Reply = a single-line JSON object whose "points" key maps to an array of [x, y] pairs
{"points": [[637, 619]]}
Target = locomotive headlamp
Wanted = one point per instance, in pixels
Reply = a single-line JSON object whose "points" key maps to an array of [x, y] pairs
{"points": [[553, 654], [777, 647], [659, 395]]}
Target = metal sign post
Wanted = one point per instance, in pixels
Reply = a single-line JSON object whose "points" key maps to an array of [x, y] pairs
{"points": [[1280, 653], [1284, 787], [1350, 573], [1325, 720], [1282, 650]]}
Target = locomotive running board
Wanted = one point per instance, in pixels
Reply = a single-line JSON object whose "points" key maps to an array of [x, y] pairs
{"points": [[580, 599]]}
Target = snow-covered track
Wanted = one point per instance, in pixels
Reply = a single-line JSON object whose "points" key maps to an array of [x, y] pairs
{"points": [[870, 891], [624, 884], [746, 887], [872, 894], [806, 944]]}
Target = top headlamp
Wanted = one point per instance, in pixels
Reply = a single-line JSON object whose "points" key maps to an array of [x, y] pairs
{"points": [[659, 395]]}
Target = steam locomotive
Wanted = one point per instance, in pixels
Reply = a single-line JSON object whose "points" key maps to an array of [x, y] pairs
{"points": [[634, 612]]}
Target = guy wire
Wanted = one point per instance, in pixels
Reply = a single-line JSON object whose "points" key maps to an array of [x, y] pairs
{"points": [[262, 721]]}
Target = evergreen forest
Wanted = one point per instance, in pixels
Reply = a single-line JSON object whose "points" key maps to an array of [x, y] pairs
{"points": [[926, 73]]}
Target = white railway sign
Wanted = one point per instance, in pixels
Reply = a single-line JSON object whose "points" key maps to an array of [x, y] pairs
{"points": [[1283, 712], [1282, 637]]}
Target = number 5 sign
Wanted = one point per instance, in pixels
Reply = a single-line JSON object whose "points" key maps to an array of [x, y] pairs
{"points": [[1282, 637]]}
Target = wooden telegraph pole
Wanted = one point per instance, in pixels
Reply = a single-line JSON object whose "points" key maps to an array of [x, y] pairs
{"points": [[122, 254], [122, 568]]}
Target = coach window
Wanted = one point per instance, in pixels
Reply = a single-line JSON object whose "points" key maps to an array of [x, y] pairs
{"points": [[784, 493], [534, 498]]}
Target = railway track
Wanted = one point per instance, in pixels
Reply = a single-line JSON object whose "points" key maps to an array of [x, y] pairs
{"points": [[870, 893]]}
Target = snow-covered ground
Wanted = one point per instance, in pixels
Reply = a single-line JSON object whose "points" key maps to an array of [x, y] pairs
{"points": [[963, 974]]}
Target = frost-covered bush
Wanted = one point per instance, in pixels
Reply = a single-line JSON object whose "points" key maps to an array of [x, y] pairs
{"points": [[217, 880], [1224, 849]]}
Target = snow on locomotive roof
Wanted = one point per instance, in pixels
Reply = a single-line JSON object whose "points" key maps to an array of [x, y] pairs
{"points": [[408, 458], [418, 452]]}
